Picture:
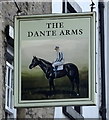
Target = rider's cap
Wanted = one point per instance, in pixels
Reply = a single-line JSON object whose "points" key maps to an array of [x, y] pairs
{"points": [[56, 47]]}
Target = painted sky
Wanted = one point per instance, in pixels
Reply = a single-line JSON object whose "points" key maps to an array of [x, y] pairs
{"points": [[75, 51]]}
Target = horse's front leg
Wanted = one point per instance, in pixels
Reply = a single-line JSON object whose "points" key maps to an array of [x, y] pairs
{"points": [[51, 85]]}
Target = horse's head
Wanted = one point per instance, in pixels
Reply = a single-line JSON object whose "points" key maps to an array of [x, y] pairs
{"points": [[34, 62]]}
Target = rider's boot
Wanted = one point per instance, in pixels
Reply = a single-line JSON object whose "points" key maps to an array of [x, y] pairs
{"points": [[56, 71]]}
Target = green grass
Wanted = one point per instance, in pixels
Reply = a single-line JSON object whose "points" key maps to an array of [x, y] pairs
{"points": [[36, 86]]}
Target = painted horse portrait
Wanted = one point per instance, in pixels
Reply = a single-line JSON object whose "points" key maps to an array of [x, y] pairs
{"points": [[70, 70]]}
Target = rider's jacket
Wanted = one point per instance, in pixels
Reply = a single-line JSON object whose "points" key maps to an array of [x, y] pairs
{"points": [[60, 57]]}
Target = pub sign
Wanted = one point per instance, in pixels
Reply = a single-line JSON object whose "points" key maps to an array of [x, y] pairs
{"points": [[54, 60]]}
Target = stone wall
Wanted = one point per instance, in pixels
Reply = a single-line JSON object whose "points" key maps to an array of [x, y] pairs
{"points": [[1, 78], [7, 12], [2, 68]]}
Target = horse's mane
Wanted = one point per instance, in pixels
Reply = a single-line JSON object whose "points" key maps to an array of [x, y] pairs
{"points": [[47, 62]]}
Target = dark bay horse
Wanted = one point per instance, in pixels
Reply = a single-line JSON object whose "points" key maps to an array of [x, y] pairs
{"points": [[70, 70]]}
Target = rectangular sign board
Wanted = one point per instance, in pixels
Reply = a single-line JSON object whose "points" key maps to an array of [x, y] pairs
{"points": [[55, 60]]}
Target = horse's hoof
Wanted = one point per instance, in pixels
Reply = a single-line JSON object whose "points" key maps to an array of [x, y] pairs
{"points": [[48, 96], [77, 94]]}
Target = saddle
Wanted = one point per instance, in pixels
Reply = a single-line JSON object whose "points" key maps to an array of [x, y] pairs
{"points": [[60, 67]]}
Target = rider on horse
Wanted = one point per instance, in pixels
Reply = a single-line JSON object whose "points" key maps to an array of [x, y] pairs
{"points": [[59, 59], [69, 69]]}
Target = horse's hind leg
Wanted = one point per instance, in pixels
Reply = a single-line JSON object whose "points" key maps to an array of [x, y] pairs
{"points": [[77, 84], [78, 93], [72, 82]]}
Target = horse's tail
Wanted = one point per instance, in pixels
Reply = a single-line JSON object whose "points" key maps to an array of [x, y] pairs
{"points": [[77, 77]]}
